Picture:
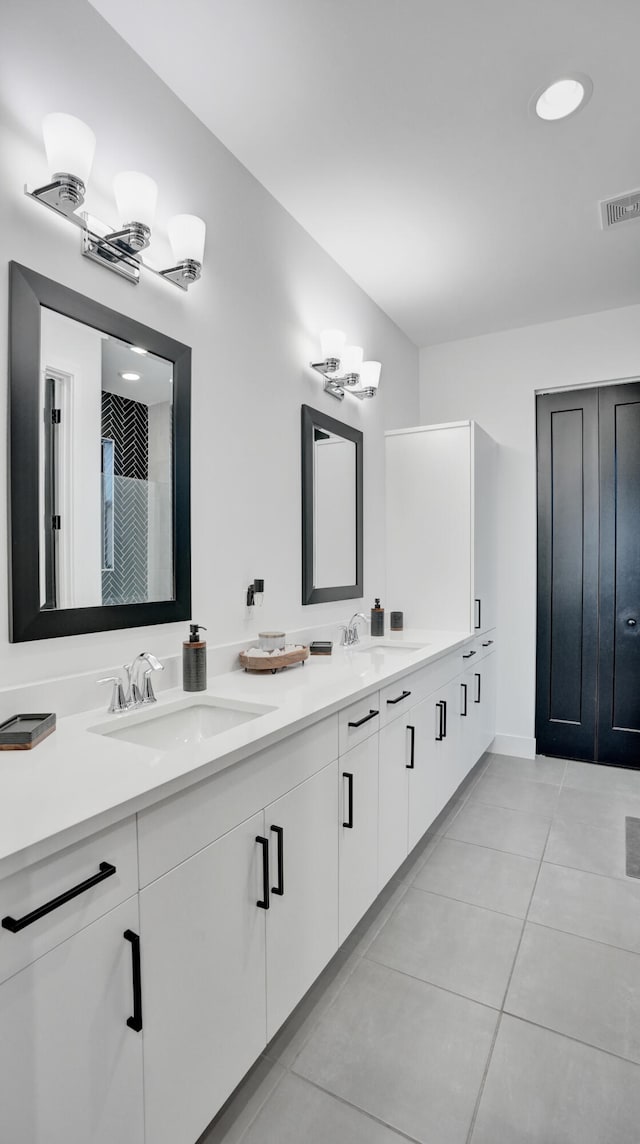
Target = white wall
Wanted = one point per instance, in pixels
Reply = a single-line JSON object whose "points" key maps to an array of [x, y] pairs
{"points": [[493, 379], [253, 323]]}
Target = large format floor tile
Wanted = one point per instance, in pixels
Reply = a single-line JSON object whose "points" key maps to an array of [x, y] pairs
{"points": [[545, 1089], [299, 1113], [516, 794], [604, 780], [598, 849], [408, 1053], [457, 946], [538, 770], [582, 988], [590, 905], [483, 877], [598, 809], [501, 829]]}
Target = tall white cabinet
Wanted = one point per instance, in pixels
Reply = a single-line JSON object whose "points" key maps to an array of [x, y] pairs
{"points": [[440, 517]]}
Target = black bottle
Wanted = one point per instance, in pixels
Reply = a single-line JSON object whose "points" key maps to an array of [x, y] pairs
{"points": [[377, 619], [194, 661]]}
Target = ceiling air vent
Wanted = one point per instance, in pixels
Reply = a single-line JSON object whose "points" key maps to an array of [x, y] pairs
{"points": [[621, 209]]}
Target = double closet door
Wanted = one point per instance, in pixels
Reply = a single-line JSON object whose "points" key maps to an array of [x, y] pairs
{"points": [[588, 646]]}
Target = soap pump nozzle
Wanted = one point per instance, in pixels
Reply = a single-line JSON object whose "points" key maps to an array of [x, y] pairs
{"points": [[194, 632]]}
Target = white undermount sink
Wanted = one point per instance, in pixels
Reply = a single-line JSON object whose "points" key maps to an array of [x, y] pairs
{"points": [[386, 648], [182, 723]]}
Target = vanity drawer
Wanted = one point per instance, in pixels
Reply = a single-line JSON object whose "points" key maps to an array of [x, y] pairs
{"points": [[180, 826], [396, 698], [102, 869], [358, 721]]}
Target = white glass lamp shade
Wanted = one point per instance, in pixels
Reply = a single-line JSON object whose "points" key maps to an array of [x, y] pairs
{"points": [[332, 344], [369, 375], [70, 145], [351, 359], [136, 197], [186, 235]]}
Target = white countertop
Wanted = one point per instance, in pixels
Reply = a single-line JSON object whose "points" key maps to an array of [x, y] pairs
{"points": [[77, 782]]}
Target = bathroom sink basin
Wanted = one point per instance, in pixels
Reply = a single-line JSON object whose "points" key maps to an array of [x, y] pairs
{"points": [[181, 724], [388, 649]]}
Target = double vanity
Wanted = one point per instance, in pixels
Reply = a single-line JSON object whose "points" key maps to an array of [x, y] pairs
{"points": [[189, 869]]}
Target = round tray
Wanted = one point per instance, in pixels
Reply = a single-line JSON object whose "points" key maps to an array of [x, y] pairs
{"points": [[273, 663]]}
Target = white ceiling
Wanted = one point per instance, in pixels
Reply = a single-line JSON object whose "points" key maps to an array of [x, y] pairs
{"points": [[398, 133], [156, 374]]}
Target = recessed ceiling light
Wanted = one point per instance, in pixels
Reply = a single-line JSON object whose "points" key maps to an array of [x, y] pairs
{"points": [[563, 98], [138, 350], [130, 376]]}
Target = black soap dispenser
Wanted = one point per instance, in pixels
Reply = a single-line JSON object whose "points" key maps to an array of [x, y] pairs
{"points": [[377, 619], [194, 661]]}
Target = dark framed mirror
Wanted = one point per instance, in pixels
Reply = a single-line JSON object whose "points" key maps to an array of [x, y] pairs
{"points": [[99, 466], [332, 508]]}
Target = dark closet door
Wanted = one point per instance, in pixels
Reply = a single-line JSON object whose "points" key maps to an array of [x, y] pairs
{"points": [[567, 645], [619, 673]]}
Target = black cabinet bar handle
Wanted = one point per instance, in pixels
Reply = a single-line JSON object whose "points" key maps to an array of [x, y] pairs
{"points": [[279, 833], [479, 678], [411, 764], [444, 718], [372, 714], [14, 925], [349, 823], [479, 623], [468, 655], [465, 689], [263, 902], [439, 736], [488, 643], [399, 698], [135, 1022]]}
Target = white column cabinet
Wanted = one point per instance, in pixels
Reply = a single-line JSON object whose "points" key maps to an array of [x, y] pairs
{"points": [[70, 1067], [358, 839], [302, 921], [203, 978]]}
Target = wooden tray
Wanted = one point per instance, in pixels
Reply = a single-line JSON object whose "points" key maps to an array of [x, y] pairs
{"points": [[273, 663]]}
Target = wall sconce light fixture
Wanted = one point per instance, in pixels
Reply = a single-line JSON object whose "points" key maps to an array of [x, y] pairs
{"points": [[343, 369], [70, 146]]}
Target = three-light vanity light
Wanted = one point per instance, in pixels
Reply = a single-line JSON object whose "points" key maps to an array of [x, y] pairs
{"points": [[343, 369], [70, 147]]}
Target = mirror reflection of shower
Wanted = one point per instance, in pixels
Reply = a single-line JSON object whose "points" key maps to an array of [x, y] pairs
{"points": [[105, 469]]}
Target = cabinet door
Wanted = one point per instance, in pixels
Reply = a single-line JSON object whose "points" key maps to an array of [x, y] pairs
{"points": [[70, 1067], [358, 833], [484, 531], [302, 921], [428, 771], [203, 965], [393, 769], [470, 747], [485, 702]]}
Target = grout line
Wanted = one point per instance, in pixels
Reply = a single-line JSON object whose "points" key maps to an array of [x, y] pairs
{"points": [[432, 984], [466, 902], [583, 937], [476, 1107], [569, 1037], [524, 925], [357, 1108]]}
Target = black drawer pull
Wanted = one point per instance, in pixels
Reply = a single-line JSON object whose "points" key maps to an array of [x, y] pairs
{"points": [[444, 718], [468, 655], [479, 678], [135, 1022], [279, 833], [399, 698], [263, 902], [488, 643], [464, 687], [349, 823], [440, 734], [372, 714], [14, 925], [412, 763], [479, 623]]}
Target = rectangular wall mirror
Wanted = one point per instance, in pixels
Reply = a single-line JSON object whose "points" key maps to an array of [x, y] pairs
{"points": [[332, 498], [99, 466]]}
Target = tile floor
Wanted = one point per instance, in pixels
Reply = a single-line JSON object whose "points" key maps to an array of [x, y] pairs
{"points": [[492, 993]]}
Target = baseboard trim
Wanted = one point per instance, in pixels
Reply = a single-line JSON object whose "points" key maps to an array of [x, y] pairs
{"points": [[518, 746]]}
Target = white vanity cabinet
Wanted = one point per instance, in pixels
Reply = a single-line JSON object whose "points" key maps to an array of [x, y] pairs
{"points": [[70, 1066], [358, 834], [440, 526], [204, 944], [302, 920]]}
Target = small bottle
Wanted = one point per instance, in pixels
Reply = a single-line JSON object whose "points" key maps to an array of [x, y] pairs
{"points": [[377, 619], [194, 661]]}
